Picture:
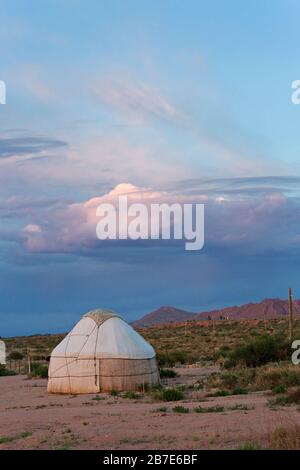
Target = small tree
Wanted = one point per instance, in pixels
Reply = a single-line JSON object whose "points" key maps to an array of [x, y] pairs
{"points": [[16, 356]]}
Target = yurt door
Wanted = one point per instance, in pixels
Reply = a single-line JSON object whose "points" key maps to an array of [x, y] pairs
{"points": [[97, 375]]}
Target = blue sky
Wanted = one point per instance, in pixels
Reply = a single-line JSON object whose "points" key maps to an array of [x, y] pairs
{"points": [[191, 99]]}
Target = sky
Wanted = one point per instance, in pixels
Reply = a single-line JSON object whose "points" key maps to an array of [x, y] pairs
{"points": [[186, 101]]}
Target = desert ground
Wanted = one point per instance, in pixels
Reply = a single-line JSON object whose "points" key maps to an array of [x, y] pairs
{"points": [[32, 419], [225, 385]]}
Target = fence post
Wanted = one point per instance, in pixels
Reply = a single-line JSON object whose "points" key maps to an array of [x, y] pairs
{"points": [[290, 314]]}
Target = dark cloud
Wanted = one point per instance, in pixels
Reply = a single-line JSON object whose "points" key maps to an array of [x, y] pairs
{"points": [[21, 146], [234, 186]]}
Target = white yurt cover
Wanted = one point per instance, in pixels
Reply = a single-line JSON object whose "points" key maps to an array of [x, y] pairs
{"points": [[102, 353]]}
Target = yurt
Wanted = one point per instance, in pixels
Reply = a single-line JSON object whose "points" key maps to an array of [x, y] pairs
{"points": [[100, 354]]}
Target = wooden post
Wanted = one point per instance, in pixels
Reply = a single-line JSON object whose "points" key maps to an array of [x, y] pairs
{"points": [[29, 363], [290, 314]]}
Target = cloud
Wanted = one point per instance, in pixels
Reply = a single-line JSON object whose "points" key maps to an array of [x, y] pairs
{"points": [[246, 223], [239, 186], [28, 146], [136, 99]]}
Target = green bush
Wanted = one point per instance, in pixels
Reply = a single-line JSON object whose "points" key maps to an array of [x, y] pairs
{"points": [[259, 351], [239, 391], [210, 409], [172, 358], [249, 446], [131, 395], [98, 398], [162, 409], [5, 372], [220, 393], [222, 352], [265, 377], [226, 393], [180, 409], [39, 370], [279, 389], [292, 398], [238, 378], [172, 394], [167, 373]]}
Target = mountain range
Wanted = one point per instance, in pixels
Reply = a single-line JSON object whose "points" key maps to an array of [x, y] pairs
{"points": [[266, 309]]}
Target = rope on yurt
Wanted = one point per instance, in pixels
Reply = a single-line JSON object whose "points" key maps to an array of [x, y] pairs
{"points": [[67, 343], [95, 358], [76, 357]]}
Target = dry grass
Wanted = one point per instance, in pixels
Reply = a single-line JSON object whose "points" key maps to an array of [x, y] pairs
{"points": [[255, 379], [290, 398], [206, 343], [285, 438], [277, 374]]}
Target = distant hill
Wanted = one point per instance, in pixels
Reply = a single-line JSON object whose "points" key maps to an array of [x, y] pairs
{"points": [[164, 315], [266, 309]]}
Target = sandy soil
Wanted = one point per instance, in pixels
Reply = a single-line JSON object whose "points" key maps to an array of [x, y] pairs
{"points": [[32, 419]]}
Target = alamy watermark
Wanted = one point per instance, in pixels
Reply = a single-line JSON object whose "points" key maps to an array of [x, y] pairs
{"points": [[139, 221], [296, 93], [2, 92], [296, 354]]}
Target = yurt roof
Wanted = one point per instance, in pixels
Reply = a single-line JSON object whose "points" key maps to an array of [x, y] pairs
{"points": [[100, 316], [102, 333]]}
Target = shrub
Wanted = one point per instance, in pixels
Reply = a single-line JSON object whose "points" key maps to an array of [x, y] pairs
{"points": [[230, 379], [39, 370], [238, 378], [180, 409], [259, 351], [239, 391], [279, 389], [229, 363], [226, 393], [162, 409], [210, 409], [131, 395], [220, 393], [168, 373], [271, 376], [286, 400], [164, 360], [39, 357], [22, 435], [5, 372], [222, 352], [256, 378], [98, 398], [172, 394], [240, 407], [114, 393], [249, 446], [172, 358]]}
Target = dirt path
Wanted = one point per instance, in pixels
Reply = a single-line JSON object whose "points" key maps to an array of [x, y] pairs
{"points": [[32, 419]]}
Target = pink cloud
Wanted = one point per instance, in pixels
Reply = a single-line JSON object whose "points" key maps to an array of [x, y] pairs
{"points": [[137, 99], [255, 223]]}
